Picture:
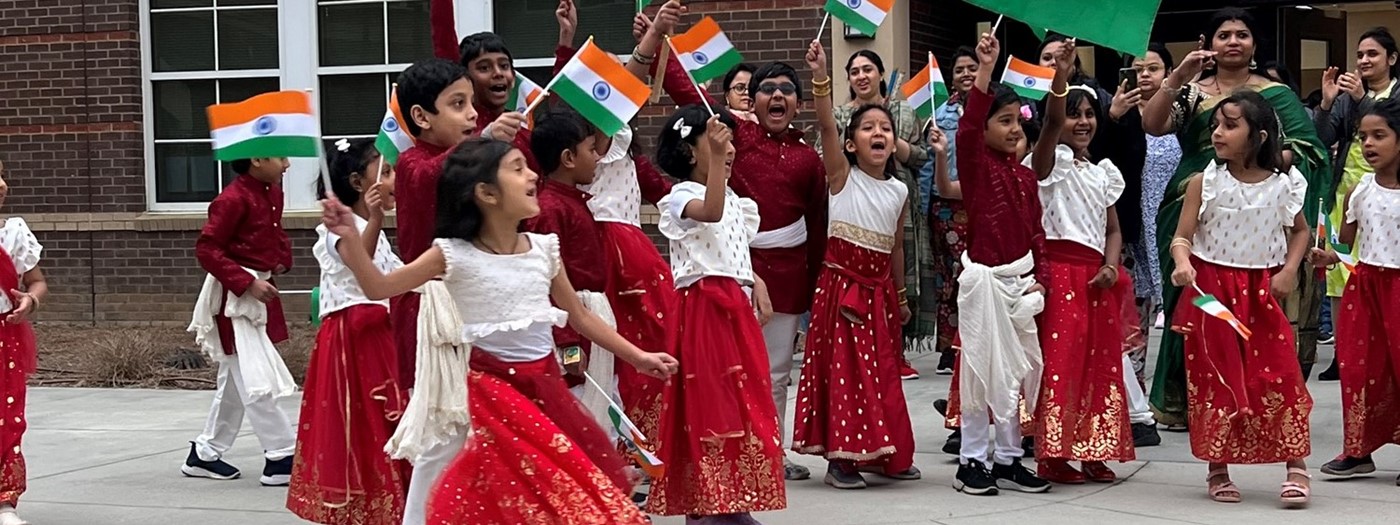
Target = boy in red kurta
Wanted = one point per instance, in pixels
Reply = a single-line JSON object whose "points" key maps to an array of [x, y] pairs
{"points": [[492, 72], [242, 246]]}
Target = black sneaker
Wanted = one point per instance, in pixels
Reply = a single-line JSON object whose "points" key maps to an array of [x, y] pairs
{"points": [[945, 364], [1347, 466], [1145, 435], [277, 472], [795, 472], [974, 478], [954, 443], [941, 405], [198, 468], [1331, 373], [1017, 477], [1028, 447], [843, 475]]}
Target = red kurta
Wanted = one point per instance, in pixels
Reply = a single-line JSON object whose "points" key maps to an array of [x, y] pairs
{"points": [[564, 212], [244, 229], [1246, 402], [485, 115], [415, 191], [1368, 351], [786, 178]]}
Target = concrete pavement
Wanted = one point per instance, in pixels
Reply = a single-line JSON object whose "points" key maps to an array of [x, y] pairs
{"points": [[113, 456]]}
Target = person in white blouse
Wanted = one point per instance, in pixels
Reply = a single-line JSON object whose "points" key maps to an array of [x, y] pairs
{"points": [[1082, 412], [1238, 247], [1368, 340], [22, 288], [352, 399]]}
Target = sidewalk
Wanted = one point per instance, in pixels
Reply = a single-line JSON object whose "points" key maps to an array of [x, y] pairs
{"points": [[113, 456]]}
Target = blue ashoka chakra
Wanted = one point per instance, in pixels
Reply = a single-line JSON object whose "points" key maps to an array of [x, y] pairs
{"points": [[1029, 82], [391, 125], [264, 126], [853, 4], [602, 90], [700, 58]]}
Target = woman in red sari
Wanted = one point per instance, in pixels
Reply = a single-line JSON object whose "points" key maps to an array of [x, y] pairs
{"points": [[352, 399], [22, 288]]}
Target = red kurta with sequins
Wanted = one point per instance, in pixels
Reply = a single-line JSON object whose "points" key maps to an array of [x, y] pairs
{"points": [[244, 230]]}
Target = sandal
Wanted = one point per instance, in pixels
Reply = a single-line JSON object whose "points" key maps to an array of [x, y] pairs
{"points": [[1224, 492], [1295, 494]]}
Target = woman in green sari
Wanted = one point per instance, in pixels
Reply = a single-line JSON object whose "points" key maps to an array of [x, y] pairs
{"points": [[1225, 63]]}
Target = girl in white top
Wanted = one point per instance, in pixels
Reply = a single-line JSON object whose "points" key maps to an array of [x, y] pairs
{"points": [[719, 428], [1237, 250], [22, 288], [501, 283], [1082, 410], [850, 400], [352, 398], [1368, 341]]}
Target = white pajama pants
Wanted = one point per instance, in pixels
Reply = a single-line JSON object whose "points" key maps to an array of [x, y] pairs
{"points": [[270, 423], [425, 475], [990, 442], [780, 336], [1138, 410]]}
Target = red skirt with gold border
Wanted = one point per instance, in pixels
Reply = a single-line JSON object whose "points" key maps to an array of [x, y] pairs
{"points": [[1368, 351]]}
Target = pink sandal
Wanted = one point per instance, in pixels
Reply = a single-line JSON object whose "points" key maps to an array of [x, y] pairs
{"points": [[1301, 494], [1225, 492]]}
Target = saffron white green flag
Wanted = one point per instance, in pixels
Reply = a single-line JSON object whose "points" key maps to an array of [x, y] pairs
{"points": [[393, 139], [1029, 80], [706, 53], [926, 90], [601, 89], [862, 15]]}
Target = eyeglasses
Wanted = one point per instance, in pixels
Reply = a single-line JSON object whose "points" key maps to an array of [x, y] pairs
{"points": [[739, 88], [787, 88]]}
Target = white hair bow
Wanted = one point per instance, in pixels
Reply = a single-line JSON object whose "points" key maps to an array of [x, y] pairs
{"points": [[342, 145], [681, 127]]}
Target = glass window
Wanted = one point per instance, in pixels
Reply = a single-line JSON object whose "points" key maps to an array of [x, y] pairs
{"points": [[362, 47], [530, 31]]}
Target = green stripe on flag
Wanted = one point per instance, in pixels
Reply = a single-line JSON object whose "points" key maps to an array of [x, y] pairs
{"points": [[924, 110], [850, 17], [586, 105], [387, 149], [717, 67], [1030, 93], [269, 147]]}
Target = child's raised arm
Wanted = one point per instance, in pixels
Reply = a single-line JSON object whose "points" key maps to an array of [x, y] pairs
{"points": [[717, 139], [340, 221], [1044, 161], [833, 152], [942, 170]]}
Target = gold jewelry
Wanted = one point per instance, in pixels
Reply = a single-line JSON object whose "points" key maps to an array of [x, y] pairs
{"points": [[903, 291], [1169, 87], [1061, 94], [821, 88], [642, 59], [904, 302], [1112, 267], [1180, 241]]}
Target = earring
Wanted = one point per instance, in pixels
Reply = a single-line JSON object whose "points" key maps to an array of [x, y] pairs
{"points": [[1253, 64]]}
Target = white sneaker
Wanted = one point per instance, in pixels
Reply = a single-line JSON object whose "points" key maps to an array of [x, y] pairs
{"points": [[8, 516], [1161, 319]]}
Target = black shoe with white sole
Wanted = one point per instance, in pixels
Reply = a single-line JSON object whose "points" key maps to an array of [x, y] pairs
{"points": [[1145, 435], [1347, 466], [843, 475], [974, 478], [198, 468], [277, 472], [954, 443], [1017, 477]]}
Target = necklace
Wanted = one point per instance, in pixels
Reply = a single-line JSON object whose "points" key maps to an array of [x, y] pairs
{"points": [[493, 251]]}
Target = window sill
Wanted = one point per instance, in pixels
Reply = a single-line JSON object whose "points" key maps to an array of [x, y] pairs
{"points": [[154, 221]]}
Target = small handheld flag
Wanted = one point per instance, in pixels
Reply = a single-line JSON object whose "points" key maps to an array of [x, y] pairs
{"points": [[705, 51], [393, 139], [862, 15], [632, 438], [277, 124], [926, 90], [600, 88], [1212, 306], [523, 96], [1028, 80]]}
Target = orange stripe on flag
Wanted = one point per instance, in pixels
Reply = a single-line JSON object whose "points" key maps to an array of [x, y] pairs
{"points": [[920, 81], [884, 5], [697, 36], [394, 108], [1029, 69], [617, 76], [225, 115]]}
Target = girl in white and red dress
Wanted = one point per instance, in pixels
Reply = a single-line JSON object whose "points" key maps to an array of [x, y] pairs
{"points": [[352, 399], [1368, 341], [850, 400], [1082, 413], [719, 429], [1241, 239], [533, 455], [22, 288]]}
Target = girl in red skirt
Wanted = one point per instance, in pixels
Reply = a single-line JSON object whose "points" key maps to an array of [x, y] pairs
{"points": [[719, 428], [850, 400], [1241, 239], [1368, 343], [1082, 413], [534, 455], [352, 399], [22, 288]]}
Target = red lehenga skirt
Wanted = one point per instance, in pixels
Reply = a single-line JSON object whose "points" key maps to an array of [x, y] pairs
{"points": [[1368, 351], [850, 399], [350, 407], [1083, 409], [642, 294], [534, 455], [1246, 400], [18, 350], [719, 429]]}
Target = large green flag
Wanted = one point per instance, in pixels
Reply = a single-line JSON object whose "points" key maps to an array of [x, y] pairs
{"points": [[1122, 25]]}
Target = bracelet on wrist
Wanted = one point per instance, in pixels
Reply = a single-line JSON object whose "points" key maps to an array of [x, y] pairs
{"points": [[642, 59]]}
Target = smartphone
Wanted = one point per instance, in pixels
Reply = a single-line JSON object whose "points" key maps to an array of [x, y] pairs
{"points": [[1128, 76]]}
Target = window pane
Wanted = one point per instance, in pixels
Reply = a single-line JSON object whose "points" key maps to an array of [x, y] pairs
{"points": [[169, 4], [179, 108], [226, 3], [353, 34], [239, 89], [353, 104], [533, 33], [186, 173], [182, 41], [408, 29], [248, 39]]}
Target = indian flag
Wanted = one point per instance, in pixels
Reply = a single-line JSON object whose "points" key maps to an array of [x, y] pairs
{"points": [[1029, 80], [603, 91], [1213, 306], [926, 90], [705, 52], [522, 95], [278, 124], [635, 442], [862, 15], [393, 139]]}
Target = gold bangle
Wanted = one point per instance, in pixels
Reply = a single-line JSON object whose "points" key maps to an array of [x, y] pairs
{"points": [[904, 302], [821, 83], [1063, 94], [821, 92], [903, 291]]}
